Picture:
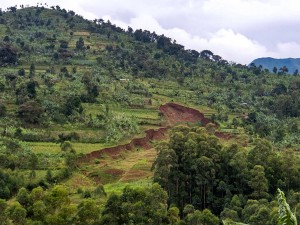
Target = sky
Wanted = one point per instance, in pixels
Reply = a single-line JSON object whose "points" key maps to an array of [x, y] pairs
{"points": [[237, 30]]}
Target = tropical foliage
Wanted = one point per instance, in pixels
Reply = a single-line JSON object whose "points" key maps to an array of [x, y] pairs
{"points": [[70, 87]]}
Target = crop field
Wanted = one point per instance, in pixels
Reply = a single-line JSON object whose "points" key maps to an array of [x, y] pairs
{"points": [[54, 148]]}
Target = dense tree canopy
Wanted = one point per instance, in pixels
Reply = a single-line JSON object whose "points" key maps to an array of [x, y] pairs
{"points": [[8, 55], [194, 168]]}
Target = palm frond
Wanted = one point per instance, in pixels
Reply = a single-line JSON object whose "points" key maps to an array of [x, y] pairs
{"points": [[286, 217]]}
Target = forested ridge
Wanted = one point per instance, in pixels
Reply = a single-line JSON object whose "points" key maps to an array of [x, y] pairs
{"points": [[70, 86]]}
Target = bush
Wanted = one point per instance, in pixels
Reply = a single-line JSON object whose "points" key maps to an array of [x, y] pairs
{"points": [[66, 146], [100, 191], [63, 174], [73, 136], [8, 55], [21, 72], [87, 194], [30, 112], [79, 190]]}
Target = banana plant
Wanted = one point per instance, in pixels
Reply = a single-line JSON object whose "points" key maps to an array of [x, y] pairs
{"points": [[286, 217]]}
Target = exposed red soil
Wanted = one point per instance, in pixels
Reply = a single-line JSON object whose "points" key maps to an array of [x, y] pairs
{"points": [[173, 114], [79, 182], [115, 172], [222, 135], [144, 142], [150, 156], [133, 174]]}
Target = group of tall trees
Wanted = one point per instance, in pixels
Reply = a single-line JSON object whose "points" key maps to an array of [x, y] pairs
{"points": [[133, 206], [195, 169], [48, 207]]}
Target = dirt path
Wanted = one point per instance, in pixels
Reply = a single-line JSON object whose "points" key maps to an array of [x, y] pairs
{"points": [[173, 113]]}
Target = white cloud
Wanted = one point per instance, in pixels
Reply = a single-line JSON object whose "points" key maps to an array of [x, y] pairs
{"points": [[239, 12], [235, 46], [289, 49]]}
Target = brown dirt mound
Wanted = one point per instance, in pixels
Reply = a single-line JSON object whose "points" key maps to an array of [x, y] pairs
{"points": [[115, 151], [173, 113]]}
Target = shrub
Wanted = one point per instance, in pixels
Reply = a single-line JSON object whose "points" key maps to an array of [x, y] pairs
{"points": [[30, 112]]}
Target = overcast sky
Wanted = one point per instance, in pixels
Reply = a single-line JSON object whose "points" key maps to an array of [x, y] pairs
{"points": [[237, 30]]}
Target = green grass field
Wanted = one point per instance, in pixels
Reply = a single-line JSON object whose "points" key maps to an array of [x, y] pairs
{"points": [[54, 148], [119, 186]]}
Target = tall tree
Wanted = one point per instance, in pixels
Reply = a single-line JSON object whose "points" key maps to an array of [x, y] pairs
{"points": [[137, 206], [258, 182], [187, 166], [80, 44], [17, 214], [30, 112], [3, 207], [88, 212]]}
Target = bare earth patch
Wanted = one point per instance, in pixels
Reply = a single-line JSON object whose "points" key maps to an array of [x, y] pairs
{"points": [[115, 172], [173, 113], [133, 175]]}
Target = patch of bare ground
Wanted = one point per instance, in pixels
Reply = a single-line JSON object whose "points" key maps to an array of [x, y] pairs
{"points": [[174, 114], [115, 172], [133, 175]]}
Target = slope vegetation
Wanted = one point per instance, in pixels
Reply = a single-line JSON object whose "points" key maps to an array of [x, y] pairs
{"points": [[173, 113]]}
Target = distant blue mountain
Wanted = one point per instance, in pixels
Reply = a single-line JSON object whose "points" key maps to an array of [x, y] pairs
{"points": [[269, 63]]}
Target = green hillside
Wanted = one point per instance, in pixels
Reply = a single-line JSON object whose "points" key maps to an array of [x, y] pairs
{"points": [[101, 125]]}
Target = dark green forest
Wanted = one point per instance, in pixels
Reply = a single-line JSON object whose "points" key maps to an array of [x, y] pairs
{"points": [[71, 86]]}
